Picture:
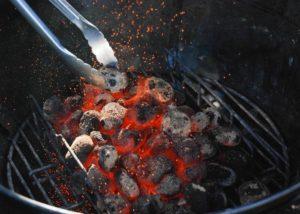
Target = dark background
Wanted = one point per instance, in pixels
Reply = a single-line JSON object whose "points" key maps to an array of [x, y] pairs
{"points": [[250, 45]]}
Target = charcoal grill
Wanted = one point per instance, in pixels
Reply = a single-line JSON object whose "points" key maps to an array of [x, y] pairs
{"points": [[36, 168], [37, 152]]}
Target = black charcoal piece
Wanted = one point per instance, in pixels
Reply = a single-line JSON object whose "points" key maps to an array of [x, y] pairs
{"points": [[128, 185], [146, 110], [90, 121], [53, 108], [108, 157], [224, 176], [130, 162], [159, 143], [114, 204], [157, 167], [98, 138], [187, 149], [78, 182], [196, 197], [196, 172], [227, 136], [207, 147], [103, 99], [81, 146], [169, 185], [160, 89], [112, 115], [176, 124], [252, 191], [147, 205], [73, 103], [97, 180]]}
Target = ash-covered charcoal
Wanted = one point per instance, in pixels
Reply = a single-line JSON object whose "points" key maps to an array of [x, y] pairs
{"points": [[227, 136], [207, 147], [159, 143], [147, 204], [78, 183], [196, 172], [128, 185], [53, 108], [176, 124], [127, 138], [187, 149], [112, 115], [146, 110], [98, 138], [157, 167], [96, 180], [103, 99], [169, 185], [130, 162], [187, 110], [73, 103], [114, 204], [115, 80], [252, 191], [108, 157], [90, 121], [160, 89], [81, 146], [196, 197], [200, 121], [222, 175], [214, 116]]}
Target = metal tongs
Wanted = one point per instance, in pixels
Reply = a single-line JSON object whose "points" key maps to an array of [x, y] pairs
{"points": [[95, 38]]}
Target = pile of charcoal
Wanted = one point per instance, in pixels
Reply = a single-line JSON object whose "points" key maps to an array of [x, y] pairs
{"points": [[145, 153]]}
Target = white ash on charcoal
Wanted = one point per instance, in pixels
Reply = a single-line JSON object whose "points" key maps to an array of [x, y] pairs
{"points": [[97, 180], [53, 108], [227, 136], [81, 146], [159, 143], [252, 191], [147, 110], [223, 176], [196, 197], [98, 138], [112, 115], [207, 147], [187, 110], [103, 99], [73, 103], [176, 124], [147, 204], [169, 185], [127, 137], [115, 80], [209, 118], [78, 182], [160, 89], [187, 149], [196, 172], [156, 167], [128, 185], [108, 157], [130, 162], [90, 121], [114, 204]]}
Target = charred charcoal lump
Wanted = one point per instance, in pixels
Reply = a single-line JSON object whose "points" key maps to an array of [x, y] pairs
{"points": [[90, 121], [112, 115], [108, 157]]}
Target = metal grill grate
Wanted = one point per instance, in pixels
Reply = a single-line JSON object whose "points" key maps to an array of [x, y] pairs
{"points": [[36, 166]]}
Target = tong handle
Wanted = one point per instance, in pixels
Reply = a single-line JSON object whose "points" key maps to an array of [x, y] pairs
{"points": [[85, 70]]}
